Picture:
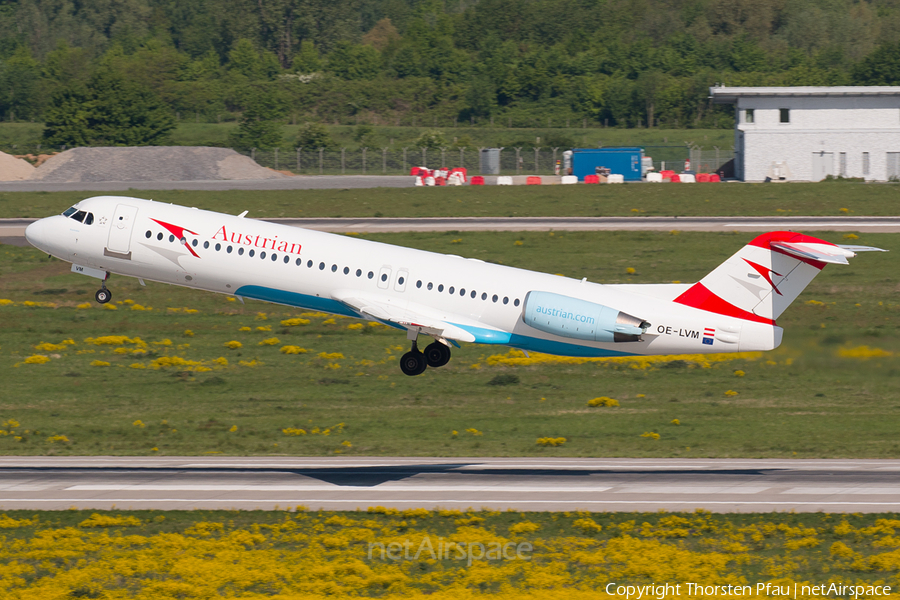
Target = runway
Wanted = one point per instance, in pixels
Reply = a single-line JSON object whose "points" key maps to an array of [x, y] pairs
{"points": [[12, 231], [530, 484]]}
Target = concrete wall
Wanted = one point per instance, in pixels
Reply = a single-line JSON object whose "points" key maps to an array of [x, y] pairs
{"points": [[836, 124], [796, 148]]}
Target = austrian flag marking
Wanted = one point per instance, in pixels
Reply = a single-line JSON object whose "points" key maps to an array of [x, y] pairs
{"points": [[708, 336]]}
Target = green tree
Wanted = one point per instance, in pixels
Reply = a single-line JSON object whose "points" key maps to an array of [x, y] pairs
{"points": [[19, 84], [307, 60], [432, 140], [109, 111], [881, 67], [261, 125], [349, 61], [314, 135]]}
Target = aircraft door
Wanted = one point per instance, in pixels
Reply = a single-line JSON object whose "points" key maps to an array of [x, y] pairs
{"points": [[384, 277], [119, 241], [402, 277]]}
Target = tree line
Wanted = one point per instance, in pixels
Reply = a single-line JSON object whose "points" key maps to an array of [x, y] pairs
{"points": [[120, 71]]}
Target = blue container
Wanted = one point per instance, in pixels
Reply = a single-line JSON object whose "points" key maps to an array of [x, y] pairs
{"points": [[619, 161]]}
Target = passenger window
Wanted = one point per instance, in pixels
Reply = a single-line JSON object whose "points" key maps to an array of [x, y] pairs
{"points": [[430, 286], [194, 242], [441, 287], [252, 253], [419, 284], [334, 268], [495, 297], [516, 302], [462, 292], [148, 234], [218, 247], [205, 244], [309, 264], [299, 261], [400, 281], [240, 251], [452, 289], [171, 238], [159, 236], [274, 257], [359, 272], [505, 300], [229, 249], [384, 276], [346, 270], [262, 255], [484, 295], [321, 266], [473, 294]]}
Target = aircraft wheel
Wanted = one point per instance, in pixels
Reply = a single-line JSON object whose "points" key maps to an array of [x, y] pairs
{"points": [[103, 296], [437, 354], [413, 363]]}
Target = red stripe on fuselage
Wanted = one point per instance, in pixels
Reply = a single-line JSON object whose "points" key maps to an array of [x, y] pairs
{"points": [[178, 232], [698, 296]]}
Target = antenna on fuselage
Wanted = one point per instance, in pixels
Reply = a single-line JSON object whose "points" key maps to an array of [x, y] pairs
{"points": [[243, 214]]}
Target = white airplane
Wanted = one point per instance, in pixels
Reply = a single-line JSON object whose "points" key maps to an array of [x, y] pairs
{"points": [[448, 298]]}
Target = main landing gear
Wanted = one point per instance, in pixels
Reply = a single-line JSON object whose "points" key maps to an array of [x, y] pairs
{"points": [[415, 362]]}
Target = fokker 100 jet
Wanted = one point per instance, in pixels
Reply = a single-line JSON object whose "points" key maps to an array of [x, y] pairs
{"points": [[447, 298]]}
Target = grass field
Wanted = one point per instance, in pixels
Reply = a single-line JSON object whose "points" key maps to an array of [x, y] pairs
{"points": [[166, 382], [826, 198], [442, 554]]}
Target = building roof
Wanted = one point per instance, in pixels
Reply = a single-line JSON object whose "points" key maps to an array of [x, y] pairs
{"points": [[729, 95]]}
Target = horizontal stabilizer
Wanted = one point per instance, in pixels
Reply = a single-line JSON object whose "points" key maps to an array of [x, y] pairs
{"points": [[855, 249], [826, 253]]}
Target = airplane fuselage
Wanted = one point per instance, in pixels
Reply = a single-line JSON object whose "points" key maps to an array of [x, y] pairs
{"points": [[473, 300]]}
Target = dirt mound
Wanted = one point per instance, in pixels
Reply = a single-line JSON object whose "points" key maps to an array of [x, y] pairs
{"points": [[150, 163], [14, 169]]}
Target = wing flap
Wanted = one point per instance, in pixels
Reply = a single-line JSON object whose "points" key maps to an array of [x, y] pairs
{"points": [[426, 320]]}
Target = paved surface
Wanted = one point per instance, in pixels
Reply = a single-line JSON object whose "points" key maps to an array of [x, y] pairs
{"points": [[302, 182], [345, 483], [12, 231]]}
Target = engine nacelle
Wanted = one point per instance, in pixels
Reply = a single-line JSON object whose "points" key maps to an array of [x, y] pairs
{"points": [[579, 319]]}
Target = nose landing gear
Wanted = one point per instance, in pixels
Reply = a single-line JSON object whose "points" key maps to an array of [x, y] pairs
{"points": [[103, 295], [415, 362]]}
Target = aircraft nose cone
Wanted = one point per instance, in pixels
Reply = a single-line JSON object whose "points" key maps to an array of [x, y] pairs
{"points": [[38, 235]]}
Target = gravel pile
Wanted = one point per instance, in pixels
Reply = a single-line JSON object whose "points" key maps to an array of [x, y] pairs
{"points": [[14, 169], [150, 163]]}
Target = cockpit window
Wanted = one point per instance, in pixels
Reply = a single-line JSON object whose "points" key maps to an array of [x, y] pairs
{"points": [[79, 215]]}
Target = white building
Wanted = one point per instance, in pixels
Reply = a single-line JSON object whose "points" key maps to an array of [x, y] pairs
{"points": [[807, 133]]}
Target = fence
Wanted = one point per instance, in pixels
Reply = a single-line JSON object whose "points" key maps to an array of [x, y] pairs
{"points": [[384, 161], [387, 161]]}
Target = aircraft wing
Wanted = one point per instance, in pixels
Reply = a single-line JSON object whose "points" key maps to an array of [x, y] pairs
{"points": [[408, 315]]}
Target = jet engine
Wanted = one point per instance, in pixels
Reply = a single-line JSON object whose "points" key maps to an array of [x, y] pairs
{"points": [[573, 318]]}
